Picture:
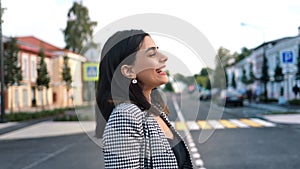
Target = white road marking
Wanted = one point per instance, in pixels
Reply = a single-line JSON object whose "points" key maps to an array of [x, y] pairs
{"points": [[51, 155], [264, 123], [238, 123], [215, 124], [196, 156], [199, 162], [173, 124], [192, 125]]}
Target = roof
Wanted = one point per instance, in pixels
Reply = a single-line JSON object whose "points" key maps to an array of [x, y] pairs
{"points": [[31, 40], [33, 44], [273, 42]]}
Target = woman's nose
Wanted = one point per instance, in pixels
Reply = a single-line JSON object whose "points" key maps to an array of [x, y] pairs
{"points": [[163, 58]]}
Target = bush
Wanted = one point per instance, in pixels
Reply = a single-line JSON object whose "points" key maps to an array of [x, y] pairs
{"points": [[272, 100], [65, 117], [294, 102], [22, 116]]}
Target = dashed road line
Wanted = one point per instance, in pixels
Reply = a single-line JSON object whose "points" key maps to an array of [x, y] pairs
{"points": [[228, 124], [222, 124], [250, 123], [239, 123], [264, 123], [203, 124], [191, 125], [215, 124]]}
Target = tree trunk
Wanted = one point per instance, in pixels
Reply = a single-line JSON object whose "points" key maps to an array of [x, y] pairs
{"points": [[41, 90], [265, 92], [47, 101], [67, 97], [11, 100]]}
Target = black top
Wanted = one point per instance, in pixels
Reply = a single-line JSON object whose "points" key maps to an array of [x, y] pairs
{"points": [[179, 150]]}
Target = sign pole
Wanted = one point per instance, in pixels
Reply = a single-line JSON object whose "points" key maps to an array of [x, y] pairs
{"points": [[2, 119]]}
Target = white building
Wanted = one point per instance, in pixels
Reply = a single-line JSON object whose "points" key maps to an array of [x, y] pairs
{"points": [[285, 51]]}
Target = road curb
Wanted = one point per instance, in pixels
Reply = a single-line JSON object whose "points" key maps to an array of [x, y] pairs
{"points": [[24, 124], [296, 125]]}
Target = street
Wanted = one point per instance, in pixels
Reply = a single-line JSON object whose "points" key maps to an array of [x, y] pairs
{"points": [[235, 139]]}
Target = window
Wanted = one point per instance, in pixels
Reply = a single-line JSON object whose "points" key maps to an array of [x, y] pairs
{"points": [[54, 97], [25, 97], [33, 69], [16, 97], [40, 97], [25, 68]]}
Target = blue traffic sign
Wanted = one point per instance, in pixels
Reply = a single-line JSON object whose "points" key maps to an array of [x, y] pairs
{"points": [[287, 56], [92, 72]]}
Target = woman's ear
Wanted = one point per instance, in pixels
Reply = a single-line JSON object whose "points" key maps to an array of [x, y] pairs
{"points": [[127, 71]]}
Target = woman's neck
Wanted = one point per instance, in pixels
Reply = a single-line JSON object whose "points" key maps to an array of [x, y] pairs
{"points": [[147, 94]]}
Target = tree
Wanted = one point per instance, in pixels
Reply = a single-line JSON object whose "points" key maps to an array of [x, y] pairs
{"points": [[202, 81], [278, 76], [244, 77], [233, 82], [265, 76], [296, 90], [67, 77], [204, 72], [180, 77], [244, 53], [79, 27], [278, 72], [221, 60], [298, 64], [12, 70], [208, 85], [169, 86], [43, 78], [251, 74]]}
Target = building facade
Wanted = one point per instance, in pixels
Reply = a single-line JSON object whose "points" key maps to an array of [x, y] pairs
{"points": [[283, 52], [26, 95]]}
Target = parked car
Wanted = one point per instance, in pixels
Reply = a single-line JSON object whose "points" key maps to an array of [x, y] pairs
{"points": [[231, 97], [205, 95]]}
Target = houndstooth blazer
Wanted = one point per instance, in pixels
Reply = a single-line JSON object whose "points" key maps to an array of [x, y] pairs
{"points": [[133, 139]]}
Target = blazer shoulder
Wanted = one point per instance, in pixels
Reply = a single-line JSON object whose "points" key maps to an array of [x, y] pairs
{"points": [[129, 110]]}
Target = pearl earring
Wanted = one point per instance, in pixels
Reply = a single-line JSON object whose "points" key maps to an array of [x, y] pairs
{"points": [[134, 81]]}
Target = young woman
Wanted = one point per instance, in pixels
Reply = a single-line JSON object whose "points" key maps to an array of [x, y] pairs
{"points": [[132, 120]]}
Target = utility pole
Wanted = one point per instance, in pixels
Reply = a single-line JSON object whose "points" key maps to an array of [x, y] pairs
{"points": [[2, 118]]}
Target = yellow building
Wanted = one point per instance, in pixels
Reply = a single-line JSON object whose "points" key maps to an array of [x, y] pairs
{"points": [[26, 96], [61, 98]]}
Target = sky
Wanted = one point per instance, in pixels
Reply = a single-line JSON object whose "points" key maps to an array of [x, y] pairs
{"points": [[218, 20]]}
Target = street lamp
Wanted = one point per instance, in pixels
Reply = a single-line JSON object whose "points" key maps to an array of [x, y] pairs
{"points": [[255, 27]]}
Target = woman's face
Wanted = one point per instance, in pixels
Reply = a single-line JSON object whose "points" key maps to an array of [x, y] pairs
{"points": [[149, 65]]}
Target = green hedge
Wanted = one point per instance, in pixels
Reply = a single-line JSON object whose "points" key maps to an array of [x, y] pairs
{"points": [[73, 117], [294, 102], [22, 116]]}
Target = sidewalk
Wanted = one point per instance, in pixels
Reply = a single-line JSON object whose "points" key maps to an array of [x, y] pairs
{"points": [[279, 118], [46, 129]]}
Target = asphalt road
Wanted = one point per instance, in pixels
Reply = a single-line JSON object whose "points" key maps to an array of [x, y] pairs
{"points": [[64, 152], [235, 148], [241, 148]]}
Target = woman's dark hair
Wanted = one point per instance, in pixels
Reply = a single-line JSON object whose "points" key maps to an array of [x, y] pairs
{"points": [[113, 87]]}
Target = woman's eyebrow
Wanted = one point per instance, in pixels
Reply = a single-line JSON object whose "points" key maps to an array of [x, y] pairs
{"points": [[151, 48]]}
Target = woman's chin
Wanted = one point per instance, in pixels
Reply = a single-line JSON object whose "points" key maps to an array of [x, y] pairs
{"points": [[164, 82]]}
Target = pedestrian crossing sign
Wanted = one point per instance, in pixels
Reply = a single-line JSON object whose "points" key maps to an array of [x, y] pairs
{"points": [[90, 71]]}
